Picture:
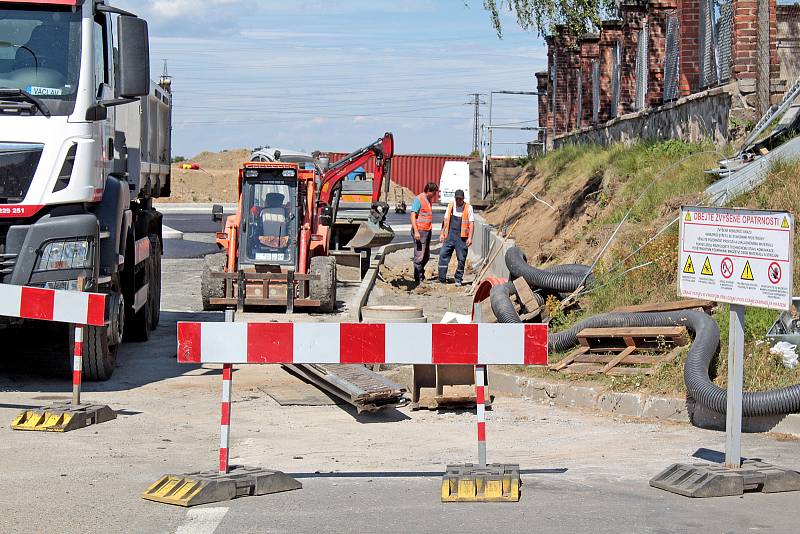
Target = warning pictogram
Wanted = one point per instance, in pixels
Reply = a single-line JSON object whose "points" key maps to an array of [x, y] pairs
{"points": [[747, 274], [774, 272], [726, 267], [688, 217], [707, 268], [689, 267], [785, 223]]}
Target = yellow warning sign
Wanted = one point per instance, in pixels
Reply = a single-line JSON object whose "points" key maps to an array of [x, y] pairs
{"points": [[707, 268], [747, 273], [688, 217], [785, 223], [688, 268]]}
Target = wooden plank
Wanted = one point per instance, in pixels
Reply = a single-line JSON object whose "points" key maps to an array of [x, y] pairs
{"points": [[619, 358], [670, 356], [687, 304], [632, 359], [582, 369], [632, 331], [631, 371], [569, 359], [303, 303], [526, 295]]}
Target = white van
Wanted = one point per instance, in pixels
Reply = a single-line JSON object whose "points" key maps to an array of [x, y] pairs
{"points": [[455, 175]]}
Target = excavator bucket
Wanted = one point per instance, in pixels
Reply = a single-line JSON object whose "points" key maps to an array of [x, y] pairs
{"points": [[371, 235]]}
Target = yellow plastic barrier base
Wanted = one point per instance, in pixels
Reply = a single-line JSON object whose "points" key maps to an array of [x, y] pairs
{"points": [[470, 483], [207, 487], [63, 417]]}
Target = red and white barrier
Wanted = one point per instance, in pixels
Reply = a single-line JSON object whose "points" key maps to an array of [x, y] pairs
{"points": [[231, 343], [402, 343], [52, 305]]}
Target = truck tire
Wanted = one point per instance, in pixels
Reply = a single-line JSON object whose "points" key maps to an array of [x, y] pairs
{"points": [[99, 356], [154, 292], [323, 288], [212, 287], [138, 327]]}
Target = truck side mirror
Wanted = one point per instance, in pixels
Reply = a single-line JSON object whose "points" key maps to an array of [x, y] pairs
{"points": [[216, 213], [134, 58], [324, 163], [326, 218]]}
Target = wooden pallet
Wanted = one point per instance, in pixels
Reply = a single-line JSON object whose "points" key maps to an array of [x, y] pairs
{"points": [[623, 351]]}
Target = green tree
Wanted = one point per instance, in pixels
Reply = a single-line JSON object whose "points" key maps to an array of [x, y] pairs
{"points": [[578, 16]]}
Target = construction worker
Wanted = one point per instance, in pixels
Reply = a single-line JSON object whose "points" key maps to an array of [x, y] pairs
{"points": [[421, 228], [457, 228]]}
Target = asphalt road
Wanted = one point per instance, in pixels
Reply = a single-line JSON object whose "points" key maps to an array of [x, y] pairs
{"points": [[581, 471], [199, 229]]}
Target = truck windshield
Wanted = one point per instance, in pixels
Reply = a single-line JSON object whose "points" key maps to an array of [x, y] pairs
{"points": [[40, 52], [271, 225]]}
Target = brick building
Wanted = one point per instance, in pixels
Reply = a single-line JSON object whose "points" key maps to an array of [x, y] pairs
{"points": [[662, 56]]}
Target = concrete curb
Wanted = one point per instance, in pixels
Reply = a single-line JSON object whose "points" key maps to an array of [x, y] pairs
{"points": [[364, 290], [635, 405], [171, 233]]}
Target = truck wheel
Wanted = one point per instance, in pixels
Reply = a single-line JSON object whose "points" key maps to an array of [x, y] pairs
{"points": [[99, 356], [212, 287], [138, 326], [323, 288], [154, 292]]}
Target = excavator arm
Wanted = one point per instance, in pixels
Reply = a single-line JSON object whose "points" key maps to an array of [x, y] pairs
{"points": [[382, 150], [374, 232]]}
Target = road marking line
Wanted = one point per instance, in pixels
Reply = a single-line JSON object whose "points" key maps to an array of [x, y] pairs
{"points": [[202, 521]]}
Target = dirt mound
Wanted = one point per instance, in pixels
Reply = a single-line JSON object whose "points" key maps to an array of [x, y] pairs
{"points": [[214, 182], [219, 171]]}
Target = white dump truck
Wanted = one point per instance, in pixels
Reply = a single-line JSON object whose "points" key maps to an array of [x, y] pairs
{"points": [[84, 150]]}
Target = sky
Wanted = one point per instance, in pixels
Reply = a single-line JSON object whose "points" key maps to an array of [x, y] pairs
{"points": [[335, 75]]}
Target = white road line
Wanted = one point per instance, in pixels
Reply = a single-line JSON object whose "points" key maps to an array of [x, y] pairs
{"points": [[202, 521], [170, 233]]}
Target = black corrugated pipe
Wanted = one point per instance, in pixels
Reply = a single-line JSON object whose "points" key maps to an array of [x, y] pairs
{"points": [[701, 353], [561, 279], [502, 307]]}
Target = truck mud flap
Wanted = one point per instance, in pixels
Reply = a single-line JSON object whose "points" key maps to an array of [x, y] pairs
{"points": [[63, 418], [470, 483], [210, 486]]}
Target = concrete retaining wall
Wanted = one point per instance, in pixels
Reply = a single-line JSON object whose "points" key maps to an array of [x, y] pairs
{"points": [[486, 240]]}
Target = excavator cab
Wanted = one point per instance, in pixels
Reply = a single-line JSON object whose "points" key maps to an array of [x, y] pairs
{"points": [[269, 230]]}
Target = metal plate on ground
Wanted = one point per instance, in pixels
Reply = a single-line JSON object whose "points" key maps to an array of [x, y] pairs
{"points": [[471, 483], [63, 417], [713, 480], [210, 486], [289, 390]]}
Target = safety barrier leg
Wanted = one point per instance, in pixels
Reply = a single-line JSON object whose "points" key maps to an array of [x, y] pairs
{"points": [[480, 406], [483, 482], [77, 365], [67, 416], [225, 420], [227, 482]]}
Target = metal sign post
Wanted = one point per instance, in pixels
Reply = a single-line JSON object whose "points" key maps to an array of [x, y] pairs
{"points": [[742, 257], [733, 415]]}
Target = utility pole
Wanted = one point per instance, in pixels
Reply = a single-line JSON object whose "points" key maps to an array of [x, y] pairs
{"points": [[476, 125]]}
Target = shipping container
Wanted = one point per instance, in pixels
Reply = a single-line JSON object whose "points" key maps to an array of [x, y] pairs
{"points": [[412, 171]]}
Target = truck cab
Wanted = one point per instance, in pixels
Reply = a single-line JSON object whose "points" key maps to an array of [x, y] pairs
{"points": [[85, 147]]}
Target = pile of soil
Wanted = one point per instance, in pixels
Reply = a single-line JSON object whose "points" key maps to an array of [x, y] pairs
{"points": [[218, 174], [555, 231], [214, 182]]}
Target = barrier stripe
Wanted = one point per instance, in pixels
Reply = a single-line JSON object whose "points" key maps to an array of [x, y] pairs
{"points": [[77, 365], [362, 343], [52, 305], [480, 406], [225, 419]]}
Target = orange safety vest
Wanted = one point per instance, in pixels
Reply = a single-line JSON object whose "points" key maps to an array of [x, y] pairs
{"points": [[425, 215], [466, 225]]}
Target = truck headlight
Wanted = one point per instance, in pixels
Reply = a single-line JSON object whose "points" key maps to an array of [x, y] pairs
{"points": [[72, 254]]}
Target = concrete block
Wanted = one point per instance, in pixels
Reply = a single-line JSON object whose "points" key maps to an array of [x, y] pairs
{"points": [[665, 408], [747, 85], [578, 396], [628, 404]]}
